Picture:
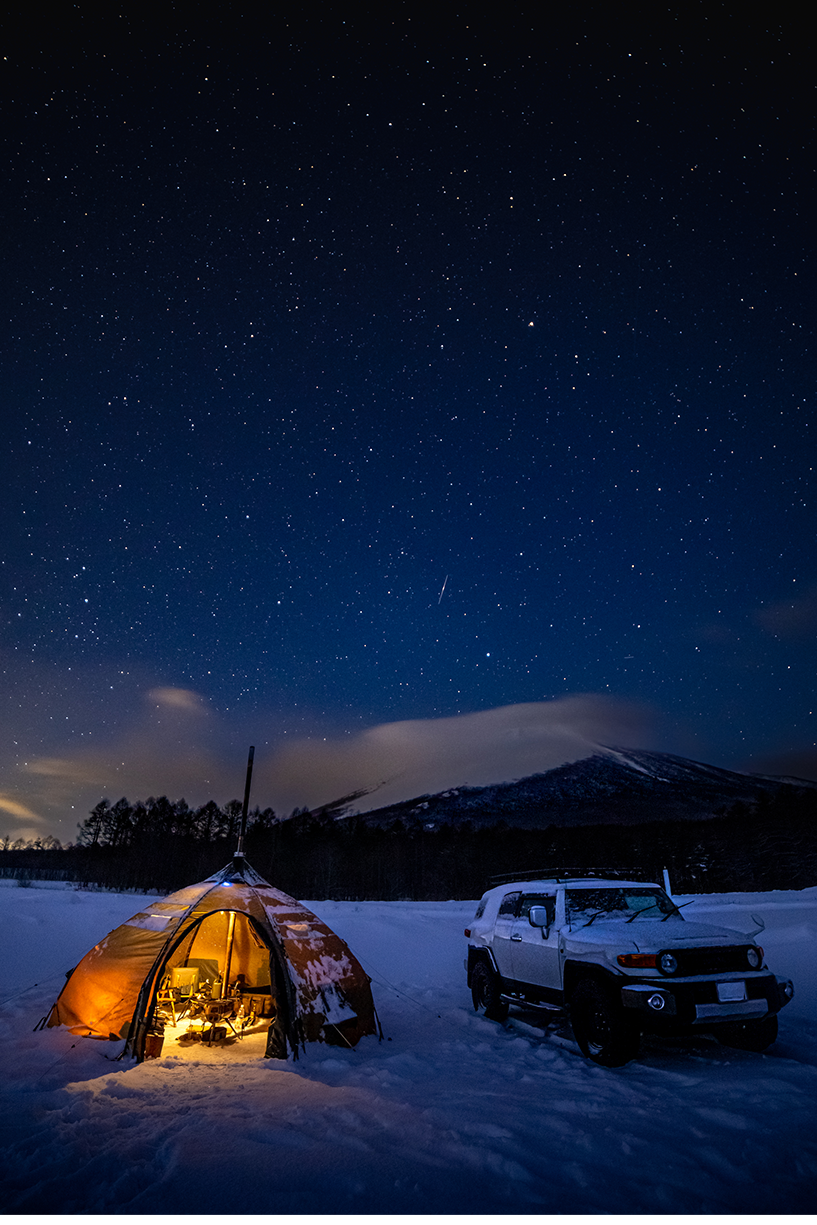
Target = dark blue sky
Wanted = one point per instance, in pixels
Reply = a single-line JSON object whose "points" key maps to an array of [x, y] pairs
{"points": [[360, 368]]}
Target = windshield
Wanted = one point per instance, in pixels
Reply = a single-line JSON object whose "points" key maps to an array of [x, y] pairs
{"points": [[626, 902]]}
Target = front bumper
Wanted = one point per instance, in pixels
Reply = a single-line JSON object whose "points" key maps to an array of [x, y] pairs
{"points": [[701, 1003]]}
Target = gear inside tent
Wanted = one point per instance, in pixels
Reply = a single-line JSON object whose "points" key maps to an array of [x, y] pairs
{"points": [[228, 961]]}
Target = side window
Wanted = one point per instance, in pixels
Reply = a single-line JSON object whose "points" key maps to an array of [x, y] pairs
{"points": [[509, 904], [538, 899]]}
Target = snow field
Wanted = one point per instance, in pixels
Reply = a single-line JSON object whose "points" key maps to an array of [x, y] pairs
{"points": [[450, 1114]]}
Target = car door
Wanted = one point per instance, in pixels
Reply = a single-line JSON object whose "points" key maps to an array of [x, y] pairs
{"points": [[535, 950], [503, 927]]}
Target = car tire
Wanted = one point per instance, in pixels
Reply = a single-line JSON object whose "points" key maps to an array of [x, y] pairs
{"points": [[749, 1035], [603, 1032], [485, 993]]}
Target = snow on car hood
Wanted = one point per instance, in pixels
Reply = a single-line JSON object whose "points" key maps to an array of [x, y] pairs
{"points": [[644, 935]]}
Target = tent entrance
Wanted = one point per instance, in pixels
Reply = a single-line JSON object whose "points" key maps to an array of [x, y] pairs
{"points": [[215, 990]]}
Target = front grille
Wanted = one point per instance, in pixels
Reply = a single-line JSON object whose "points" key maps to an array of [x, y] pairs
{"points": [[718, 960]]}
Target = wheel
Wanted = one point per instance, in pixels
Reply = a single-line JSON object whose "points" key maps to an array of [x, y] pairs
{"points": [[602, 1031], [485, 987], [749, 1035]]}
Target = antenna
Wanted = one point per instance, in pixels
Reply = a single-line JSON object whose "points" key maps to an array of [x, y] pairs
{"points": [[240, 847]]}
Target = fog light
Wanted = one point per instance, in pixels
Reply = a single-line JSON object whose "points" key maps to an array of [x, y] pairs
{"points": [[788, 989], [656, 1001]]}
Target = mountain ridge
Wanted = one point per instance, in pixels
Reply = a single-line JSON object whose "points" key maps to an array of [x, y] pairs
{"points": [[613, 786]]}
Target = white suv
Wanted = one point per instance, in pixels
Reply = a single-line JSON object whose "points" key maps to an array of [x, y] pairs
{"points": [[621, 959]]}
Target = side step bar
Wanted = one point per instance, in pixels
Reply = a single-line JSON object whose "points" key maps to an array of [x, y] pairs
{"points": [[522, 1003]]}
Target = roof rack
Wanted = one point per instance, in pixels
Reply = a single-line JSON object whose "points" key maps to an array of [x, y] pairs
{"points": [[563, 874]]}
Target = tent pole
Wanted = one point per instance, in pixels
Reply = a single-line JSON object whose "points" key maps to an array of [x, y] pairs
{"points": [[230, 936], [240, 847]]}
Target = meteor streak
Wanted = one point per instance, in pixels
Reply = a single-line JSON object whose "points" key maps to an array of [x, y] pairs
{"points": [[441, 593]]}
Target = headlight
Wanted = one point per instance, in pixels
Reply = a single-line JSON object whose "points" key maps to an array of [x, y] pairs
{"points": [[754, 956], [667, 963]]}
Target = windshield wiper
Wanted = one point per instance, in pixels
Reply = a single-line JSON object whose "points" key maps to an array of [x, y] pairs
{"points": [[676, 909], [594, 916], [656, 905]]}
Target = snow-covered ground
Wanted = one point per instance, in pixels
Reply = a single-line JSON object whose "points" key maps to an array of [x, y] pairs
{"points": [[450, 1114]]}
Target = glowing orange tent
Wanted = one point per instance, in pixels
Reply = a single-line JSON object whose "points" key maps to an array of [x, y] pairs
{"points": [[249, 937]]}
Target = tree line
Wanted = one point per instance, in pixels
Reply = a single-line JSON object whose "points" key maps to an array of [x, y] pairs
{"points": [[126, 825], [163, 845]]}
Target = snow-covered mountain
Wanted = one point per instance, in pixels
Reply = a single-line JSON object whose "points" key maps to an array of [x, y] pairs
{"points": [[613, 786]]}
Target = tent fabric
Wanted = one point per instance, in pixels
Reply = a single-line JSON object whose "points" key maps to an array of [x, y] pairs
{"points": [[323, 992]]}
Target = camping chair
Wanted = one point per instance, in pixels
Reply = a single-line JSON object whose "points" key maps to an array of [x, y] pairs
{"points": [[165, 999]]}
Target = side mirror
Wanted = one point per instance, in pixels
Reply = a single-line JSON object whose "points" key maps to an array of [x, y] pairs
{"points": [[538, 917]]}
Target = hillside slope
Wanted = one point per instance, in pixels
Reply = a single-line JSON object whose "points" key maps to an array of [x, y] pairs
{"points": [[614, 786]]}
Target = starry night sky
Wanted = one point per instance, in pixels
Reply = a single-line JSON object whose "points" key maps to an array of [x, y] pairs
{"points": [[364, 370]]}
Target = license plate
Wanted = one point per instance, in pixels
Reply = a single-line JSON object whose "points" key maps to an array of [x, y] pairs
{"points": [[729, 992]]}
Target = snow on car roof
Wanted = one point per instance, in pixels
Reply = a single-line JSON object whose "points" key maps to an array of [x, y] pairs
{"points": [[580, 882]]}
